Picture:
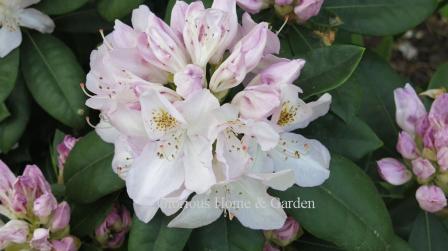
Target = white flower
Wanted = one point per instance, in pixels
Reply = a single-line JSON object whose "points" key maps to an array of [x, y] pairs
{"points": [[13, 14], [179, 151]]}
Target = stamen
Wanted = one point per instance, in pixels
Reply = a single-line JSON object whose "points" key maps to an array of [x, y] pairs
{"points": [[90, 123], [105, 40], [283, 25], [83, 88]]}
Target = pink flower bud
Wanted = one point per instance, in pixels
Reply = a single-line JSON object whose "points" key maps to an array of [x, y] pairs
{"points": [[14, 232], [7, 178], [189, 81], [431, 198], [442, 158], [112, 232], [284, 236], [283, 2], [64, 149], [441, 137], [307, 9], [393, 171], [245, 56], [35, 174], [438, 114], [257, 101], [406, 146], [252, 6], [44, 205], [68, 243], [409, 108], [40, 240], [61, 217], [423, 168]]}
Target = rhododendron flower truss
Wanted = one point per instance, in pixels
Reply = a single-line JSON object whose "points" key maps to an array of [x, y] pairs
{"points": [[168, 101]]}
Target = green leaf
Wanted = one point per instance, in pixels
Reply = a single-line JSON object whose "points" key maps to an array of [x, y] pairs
{"points": [[348, 210], [429, 233], [380, 17], [82, 21], [116, 9], [297, 41], [328, 68], [9, 67], [224, 235], [4, 112], [12, 128], [378, 82], [88, 171], [53, 75], [440, 77], [354, 139], [86, 218], [58, 7], [346, 100], [156, 236]]}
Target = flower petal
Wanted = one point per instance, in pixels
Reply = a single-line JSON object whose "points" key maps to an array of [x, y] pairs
{"points": [[34, 19], [201, 211], [145, 213], [151, 177], [259, 211], [309, 159], [199, 176], [9, 40]]}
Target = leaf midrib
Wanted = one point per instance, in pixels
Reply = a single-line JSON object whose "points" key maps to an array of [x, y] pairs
{"points": [[52, 73], [357, 216]]}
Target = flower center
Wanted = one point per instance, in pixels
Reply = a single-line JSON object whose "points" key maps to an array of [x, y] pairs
{"points": [[163, 121], [287, 114], [7, 20]]}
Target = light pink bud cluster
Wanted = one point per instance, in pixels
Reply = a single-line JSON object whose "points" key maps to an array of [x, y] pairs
{"points": [[112, 232], [283, 236], [423, 145], [37, 220], [64, 148], [299, 10]]}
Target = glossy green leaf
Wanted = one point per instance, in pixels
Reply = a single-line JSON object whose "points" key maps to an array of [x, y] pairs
{"points": [[53, 75], [440, 77], [4, 112], [429, 233], [58, 7], [224, 235], [380, 17], [327, 68], [82, 21], [115, 9], [378, 82], [297, 41], [86, 218], [88, 171], [352, 139], [12, 128], [9, 67], [346, 100], [156, 236], [143, 236], [348, 210]]}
